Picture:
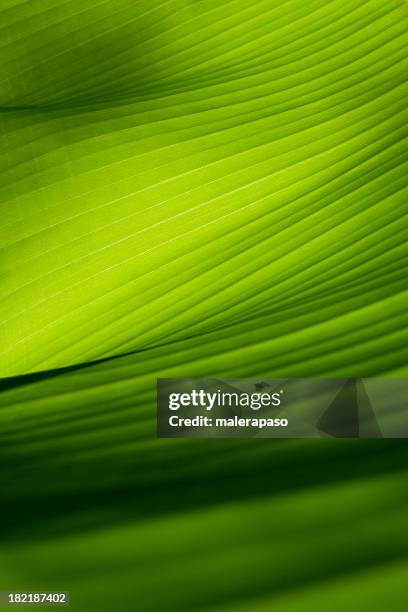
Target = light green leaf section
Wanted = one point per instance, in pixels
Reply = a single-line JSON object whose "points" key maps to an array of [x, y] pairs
{"points": [[185, 169], [199, 188]]}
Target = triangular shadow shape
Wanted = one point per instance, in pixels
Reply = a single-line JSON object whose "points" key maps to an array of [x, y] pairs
{"points": [[341, 419]]}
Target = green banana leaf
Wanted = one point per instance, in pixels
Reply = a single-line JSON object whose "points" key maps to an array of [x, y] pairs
{"points": [[199, 188]]}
